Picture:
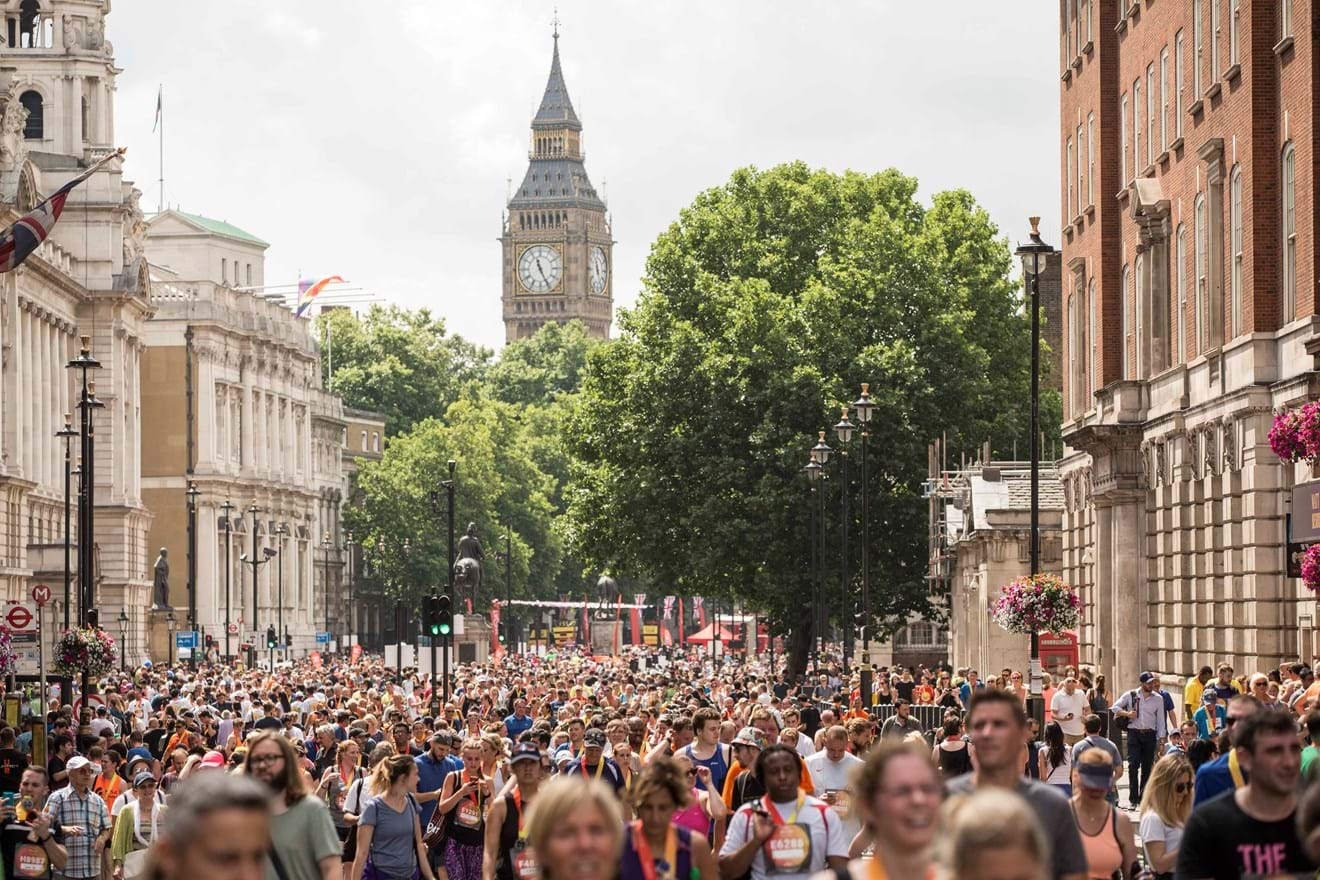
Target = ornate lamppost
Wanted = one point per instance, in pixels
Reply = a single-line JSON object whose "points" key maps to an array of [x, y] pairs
{"points": [[192, 494], [820, 454], [844, 431], [67, 433], [227, 508], [864, 407]]}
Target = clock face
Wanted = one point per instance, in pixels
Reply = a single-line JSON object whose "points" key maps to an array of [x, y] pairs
{"points": [[540, 268], [598, 270]]}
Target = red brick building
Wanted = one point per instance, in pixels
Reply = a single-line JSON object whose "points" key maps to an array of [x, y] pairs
{"points": [[1187, 146]]}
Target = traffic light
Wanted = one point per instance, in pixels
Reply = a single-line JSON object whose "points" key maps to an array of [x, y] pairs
{"points": [[444, 617], [271, 639], [502, 638]]}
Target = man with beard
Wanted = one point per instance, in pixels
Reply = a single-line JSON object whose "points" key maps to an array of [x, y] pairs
{"points": [[303, 838]]}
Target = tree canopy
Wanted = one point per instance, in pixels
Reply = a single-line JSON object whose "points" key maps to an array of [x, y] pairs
{"points": [[764, 306]]}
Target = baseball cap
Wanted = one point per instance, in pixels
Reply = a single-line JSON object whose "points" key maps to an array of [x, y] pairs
{"points": [[1209, 697], [525, 752], [142, 779], [212, 759], [77, 762], [1095, 776], [594, 738], [748, 736], [1146, 676]]}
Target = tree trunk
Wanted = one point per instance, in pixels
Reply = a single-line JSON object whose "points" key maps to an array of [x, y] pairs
{"points": [[799, 647]]}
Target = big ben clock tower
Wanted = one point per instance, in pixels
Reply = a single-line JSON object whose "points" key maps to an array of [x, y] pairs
{"points": [[558, 253]]}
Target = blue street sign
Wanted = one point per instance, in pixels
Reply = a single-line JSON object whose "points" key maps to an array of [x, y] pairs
{"points": [[187, 639], [323, 638]]}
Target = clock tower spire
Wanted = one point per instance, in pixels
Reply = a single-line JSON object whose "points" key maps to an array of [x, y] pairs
{"points": [[556, 242]]}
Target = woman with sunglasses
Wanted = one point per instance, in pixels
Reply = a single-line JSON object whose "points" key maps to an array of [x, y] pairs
{"points": [[1165, 806], [705, 811], [1016, 687], [658, 844], [136, 828], [1106, 831]]}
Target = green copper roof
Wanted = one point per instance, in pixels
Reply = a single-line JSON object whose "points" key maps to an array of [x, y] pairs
{"points": [[220, 227]]}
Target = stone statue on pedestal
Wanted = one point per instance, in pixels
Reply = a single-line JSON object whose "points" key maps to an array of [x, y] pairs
{"points": [[467, 567], [160, 588]]}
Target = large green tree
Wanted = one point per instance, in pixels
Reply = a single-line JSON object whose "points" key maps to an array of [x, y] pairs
{"points": [[399, 362], [763, 307]]}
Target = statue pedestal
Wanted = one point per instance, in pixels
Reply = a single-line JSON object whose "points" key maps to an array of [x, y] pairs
{"points": [[159, 637]]}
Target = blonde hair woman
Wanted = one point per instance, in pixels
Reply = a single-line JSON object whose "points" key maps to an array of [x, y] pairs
{"points": [[993, 835], [575, 827], [1165, 806]]}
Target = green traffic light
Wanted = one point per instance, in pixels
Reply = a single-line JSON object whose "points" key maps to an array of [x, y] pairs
{"points": [[444, 629]]}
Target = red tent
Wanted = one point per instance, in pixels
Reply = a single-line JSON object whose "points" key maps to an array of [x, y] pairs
{"points": [[707, 634]]}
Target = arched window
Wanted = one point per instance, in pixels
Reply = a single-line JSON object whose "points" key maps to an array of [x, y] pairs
{"points": [[1235, 232], [1125, 333], [1202, 292], [1180, 290], [1139, 309], [35, 129], [1289, 233]]}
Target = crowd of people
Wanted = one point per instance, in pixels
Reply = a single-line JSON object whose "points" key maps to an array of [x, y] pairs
{"points": [[663, 765]]}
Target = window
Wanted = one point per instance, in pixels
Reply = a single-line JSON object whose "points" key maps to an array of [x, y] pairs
{"points": [[1081, 171], [1090, 19], [1234, 32], [1177, 84], [1077, 25], [1150, 114], [1090, 335], [364, 441], [1289, 233], [1164, 99], [375, 442], [1126, 332], [1068, 205], [224, 271], [1123, 137], [1073, 360], [1286, 17], [1235, 231], [1198, 47], [1090, 159], [34, 129], [249, 274], [1180, 287], [1137, 110], [1202, 282], [1139, 308], [1214, 40]]}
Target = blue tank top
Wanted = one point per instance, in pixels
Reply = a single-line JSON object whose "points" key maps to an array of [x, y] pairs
{"points": [[631, 869], [716, 764]]}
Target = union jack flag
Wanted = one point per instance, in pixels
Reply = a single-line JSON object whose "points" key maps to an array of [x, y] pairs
{"points": [[19, 241]]}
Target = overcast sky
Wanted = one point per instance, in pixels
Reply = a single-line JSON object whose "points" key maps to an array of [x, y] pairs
{"points": [[374, 141]]}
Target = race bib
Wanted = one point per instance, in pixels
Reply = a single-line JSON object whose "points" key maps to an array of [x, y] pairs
{"points": [[468, 814], [524, 863], [30, 861], [788, 851], [842, 803]]}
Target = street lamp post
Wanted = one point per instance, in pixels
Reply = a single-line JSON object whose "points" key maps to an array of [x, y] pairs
{"points": [[282, 531], [844, 431], [813, 470], [510, 633], [193, 494], [67, 433], [325, 548], [123, 641], [171, 624], [256, 560], [1033, 254], [864, 407], [820, 453], [228, 509], [352, 615], [448, 484]]}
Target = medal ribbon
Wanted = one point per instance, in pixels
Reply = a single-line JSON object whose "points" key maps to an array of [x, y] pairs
{"points": [[774, 812], [643, 847], [600, 766], [517, 805]]}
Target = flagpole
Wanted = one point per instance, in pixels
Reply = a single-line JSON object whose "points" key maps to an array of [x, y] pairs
{"points": [[160, 116]]}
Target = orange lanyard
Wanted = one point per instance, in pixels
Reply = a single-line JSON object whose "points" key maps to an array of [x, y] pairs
{"points": [[774, 811], [643, 848], [600, 766], [517, 805]]}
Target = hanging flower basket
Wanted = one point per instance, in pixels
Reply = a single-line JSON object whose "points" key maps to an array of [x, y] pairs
{"points": [[1038, 603], [1295, 435], [8, 657], [1311, 568], [89, 649]]}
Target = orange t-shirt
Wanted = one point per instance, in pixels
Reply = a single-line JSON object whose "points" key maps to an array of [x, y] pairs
{"points": [[109, 789]]}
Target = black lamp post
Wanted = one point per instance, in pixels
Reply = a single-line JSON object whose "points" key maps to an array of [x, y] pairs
{"points": [[352, 618], [813, 471], [67, 433], [507, 557], [192, 494], [820, 453], [256, 560], [123, 640], [1033, 256], [844, 431], [325, 549], [227, 508], [864, 407], [84, 363], [171, 625], [282, 531]]}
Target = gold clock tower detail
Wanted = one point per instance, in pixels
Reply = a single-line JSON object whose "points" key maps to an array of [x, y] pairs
{"points": [[558, 253]]}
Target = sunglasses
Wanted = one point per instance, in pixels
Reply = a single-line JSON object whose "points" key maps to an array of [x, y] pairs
{"points": [[1181, 787]]}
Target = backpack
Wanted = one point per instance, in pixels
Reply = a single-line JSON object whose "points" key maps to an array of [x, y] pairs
{"points": [[1119, 721]]}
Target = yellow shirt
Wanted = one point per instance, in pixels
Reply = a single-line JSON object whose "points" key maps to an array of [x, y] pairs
{"points": [[1192, 694]]}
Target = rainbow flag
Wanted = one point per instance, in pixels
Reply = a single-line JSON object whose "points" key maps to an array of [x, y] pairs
{"points": [[310, 288]]}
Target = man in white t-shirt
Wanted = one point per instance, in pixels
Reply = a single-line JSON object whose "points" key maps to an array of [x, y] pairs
{"points": [[785, 834], [831, 771], [1069, 708]]}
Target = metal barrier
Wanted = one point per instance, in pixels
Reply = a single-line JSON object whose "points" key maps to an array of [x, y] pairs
{"points": [[931, 718]]}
